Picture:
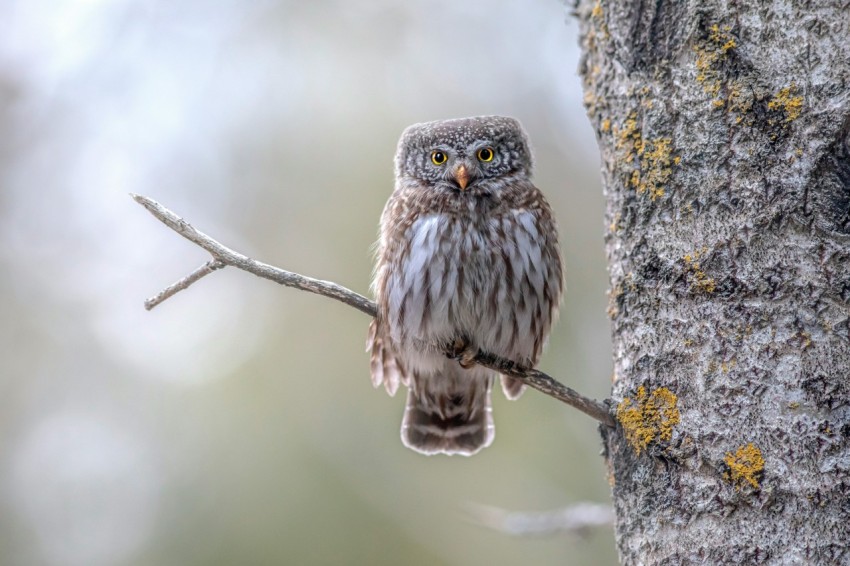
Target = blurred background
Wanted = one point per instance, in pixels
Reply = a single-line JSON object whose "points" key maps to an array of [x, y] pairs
{"points": [[236, 423]]}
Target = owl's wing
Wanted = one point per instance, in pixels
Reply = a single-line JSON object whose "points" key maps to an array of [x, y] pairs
{"points": [[385, 366], [539, 269]]}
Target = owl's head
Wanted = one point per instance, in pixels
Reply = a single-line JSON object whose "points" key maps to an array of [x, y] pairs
{"points": [[464, 154]]}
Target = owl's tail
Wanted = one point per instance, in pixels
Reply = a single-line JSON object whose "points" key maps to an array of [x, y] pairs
{"points": [[449, 413]]}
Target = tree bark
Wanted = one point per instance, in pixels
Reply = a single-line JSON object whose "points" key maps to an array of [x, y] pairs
{"points": [[724, 132]]}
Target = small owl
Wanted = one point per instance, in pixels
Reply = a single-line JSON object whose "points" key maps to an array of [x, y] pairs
{"points": [[467, 260]]}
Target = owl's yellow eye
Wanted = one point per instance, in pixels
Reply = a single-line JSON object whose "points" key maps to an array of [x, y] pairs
{"points": [[485, 154], [438, 157]]}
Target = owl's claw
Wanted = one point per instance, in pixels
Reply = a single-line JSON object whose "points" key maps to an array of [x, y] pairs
{"points": [[457, 348], [467, 359], [460, 351]]}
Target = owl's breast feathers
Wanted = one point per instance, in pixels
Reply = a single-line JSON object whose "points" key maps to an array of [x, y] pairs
{"points": [[487, 270]]}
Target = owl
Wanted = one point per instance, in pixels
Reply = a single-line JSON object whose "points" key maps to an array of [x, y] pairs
{"points": [[467, 260]]}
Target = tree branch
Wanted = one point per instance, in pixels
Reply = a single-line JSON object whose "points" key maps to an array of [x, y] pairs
{"points": [[548, 385], [223, 256]]}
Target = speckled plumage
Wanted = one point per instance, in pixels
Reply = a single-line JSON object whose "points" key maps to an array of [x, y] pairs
{"points": [[468, 258]]}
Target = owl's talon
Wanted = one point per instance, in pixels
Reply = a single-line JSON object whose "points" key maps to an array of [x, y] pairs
{"points": [[459, 346], [460, 351], [466, 359]]}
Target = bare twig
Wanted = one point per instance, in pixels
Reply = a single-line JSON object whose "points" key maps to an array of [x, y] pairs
{"points": [[229, 257], [203, 271], [575, 519], [223, 256]]}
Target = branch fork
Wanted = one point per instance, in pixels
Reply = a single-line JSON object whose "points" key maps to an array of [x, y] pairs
{"points": [[223, 256]]}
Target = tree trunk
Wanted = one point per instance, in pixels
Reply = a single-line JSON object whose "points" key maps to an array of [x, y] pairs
{"points": [[724, 130]]}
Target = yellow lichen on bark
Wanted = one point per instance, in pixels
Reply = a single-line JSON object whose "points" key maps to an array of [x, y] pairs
{"points": [[656, 167], [596, 12], [648, 417], [709, 53], [786, 101], [629, 140], [745, 466], [739, 102], [655, 159], [597, 16], [702, 281]]}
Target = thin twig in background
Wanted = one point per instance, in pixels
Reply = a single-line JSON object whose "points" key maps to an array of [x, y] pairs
{"points": [[223, 256], [575, 519]]}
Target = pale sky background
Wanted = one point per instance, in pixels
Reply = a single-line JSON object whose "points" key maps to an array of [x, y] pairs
{"points": [[236, 423]]}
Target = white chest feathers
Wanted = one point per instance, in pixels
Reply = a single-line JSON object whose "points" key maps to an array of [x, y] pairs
{"points": [[489, 283]]}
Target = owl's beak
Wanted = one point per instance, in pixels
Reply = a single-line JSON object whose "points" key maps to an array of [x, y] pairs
{"points": [[461, 176]]}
